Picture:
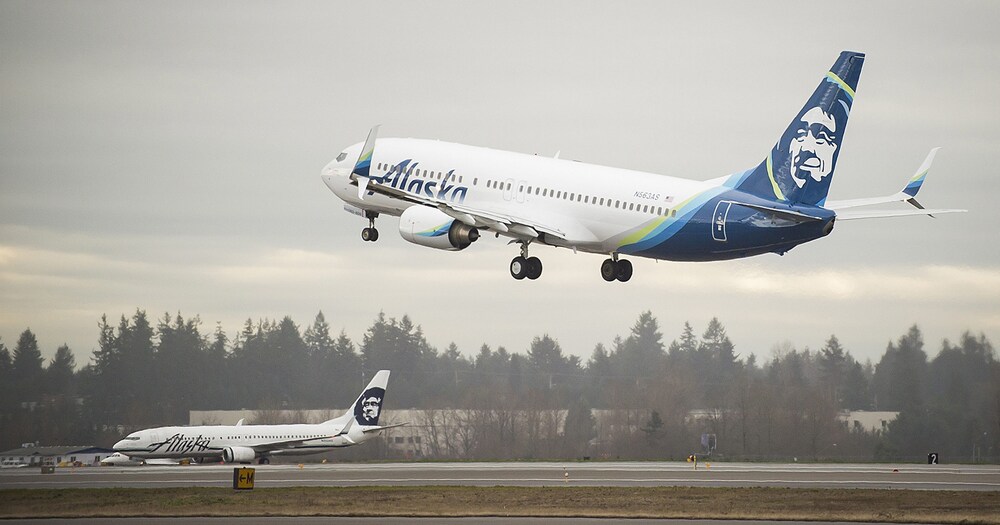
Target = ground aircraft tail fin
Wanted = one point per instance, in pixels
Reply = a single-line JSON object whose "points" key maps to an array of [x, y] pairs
{"points": [[799, 168], [368, 407]]}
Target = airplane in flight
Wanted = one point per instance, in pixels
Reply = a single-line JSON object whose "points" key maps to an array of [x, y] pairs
{"points": [[242, 443], [447, 195]]}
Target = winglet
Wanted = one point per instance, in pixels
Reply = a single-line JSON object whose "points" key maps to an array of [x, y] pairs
{"points": [[362, 167], [913, 185]]}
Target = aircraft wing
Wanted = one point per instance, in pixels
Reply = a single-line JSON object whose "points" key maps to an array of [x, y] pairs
{"points": [[512, 225], [907, 194]]}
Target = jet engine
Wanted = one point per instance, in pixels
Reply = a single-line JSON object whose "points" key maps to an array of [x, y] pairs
{"points": [[431, 227], [238, 454]]}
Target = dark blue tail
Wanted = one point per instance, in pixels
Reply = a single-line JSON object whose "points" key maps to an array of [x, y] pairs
{"points": [[800, 166]]}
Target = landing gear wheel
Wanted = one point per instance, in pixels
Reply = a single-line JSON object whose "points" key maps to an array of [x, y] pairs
{"points": [[370, 234], [264, 461], [534, 268], [624, 270], [519, 268], [609, 270]]}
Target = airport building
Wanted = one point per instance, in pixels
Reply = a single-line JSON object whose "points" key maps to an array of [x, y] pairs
{"points": [[31, 455]]}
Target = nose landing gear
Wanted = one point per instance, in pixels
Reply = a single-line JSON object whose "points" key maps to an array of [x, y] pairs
{"points": [[523, 266], [370, 234]]}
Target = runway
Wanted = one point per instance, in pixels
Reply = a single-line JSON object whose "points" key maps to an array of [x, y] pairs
{"points": [[639, 474]]}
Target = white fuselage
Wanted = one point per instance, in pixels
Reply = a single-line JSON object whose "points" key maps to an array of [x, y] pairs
{"points": [[591, 206], [211, 440]]}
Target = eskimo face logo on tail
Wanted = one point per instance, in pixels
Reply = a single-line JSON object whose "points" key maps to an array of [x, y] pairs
{"points": [[368, 408], [811, 148]]}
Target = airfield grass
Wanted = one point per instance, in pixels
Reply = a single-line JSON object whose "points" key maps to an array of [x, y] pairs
{"points": [[449, 501]]}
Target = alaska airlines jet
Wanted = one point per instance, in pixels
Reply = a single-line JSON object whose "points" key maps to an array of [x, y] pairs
{"points": [[243, 443], [121, 460], [447, 194]]}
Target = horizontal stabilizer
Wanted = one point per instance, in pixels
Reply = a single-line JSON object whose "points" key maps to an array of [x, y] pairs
{"points": [[908, 192], [379, 429], [877, 214]]}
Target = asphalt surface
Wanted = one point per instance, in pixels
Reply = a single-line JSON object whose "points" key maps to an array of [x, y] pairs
{"points": [[268, 520], [638, 474]]}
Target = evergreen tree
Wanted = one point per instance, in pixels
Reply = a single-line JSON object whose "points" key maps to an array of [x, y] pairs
{"points": [[317, 337], [641, 353], [580, 428], [288, 360], [687, 345], [545, 355], [717, 352], [6, 380], [182, 376], [218, 394], [400, 347], [320, 347], [900, 375], [59, 376], [599, 373], [27, 367], [833, 366]]}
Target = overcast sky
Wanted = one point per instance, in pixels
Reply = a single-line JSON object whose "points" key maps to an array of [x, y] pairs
{"points": [[166, 156]]}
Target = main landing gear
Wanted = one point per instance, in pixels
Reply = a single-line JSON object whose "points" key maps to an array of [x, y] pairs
{"points": [[370, 234], [264, 460], [523, 266], [613, 268]]}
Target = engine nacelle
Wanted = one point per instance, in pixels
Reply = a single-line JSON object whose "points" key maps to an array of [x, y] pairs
{"points": [[238, 455], [431, 227]]}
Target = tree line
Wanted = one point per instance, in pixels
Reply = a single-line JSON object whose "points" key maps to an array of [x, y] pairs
{"points": [[661, 397]]}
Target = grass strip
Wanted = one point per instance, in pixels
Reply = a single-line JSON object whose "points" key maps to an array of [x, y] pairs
{"points": [[760, 503]]}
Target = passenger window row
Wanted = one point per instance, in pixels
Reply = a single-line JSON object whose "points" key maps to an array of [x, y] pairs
{"points": [[586, 199], [545, 192], [427, 174]]}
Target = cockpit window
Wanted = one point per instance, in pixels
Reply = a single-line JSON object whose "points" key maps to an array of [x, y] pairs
{"points": [[342, 156], [133, 438]]}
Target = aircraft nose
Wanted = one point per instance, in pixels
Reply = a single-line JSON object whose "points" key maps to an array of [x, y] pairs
{"points": [[119, 445]]}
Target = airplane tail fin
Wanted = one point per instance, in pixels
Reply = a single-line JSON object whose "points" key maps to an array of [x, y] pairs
{"points": [[368, 407], [799, 168]]}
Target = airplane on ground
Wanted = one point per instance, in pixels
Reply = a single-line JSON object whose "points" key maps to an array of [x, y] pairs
{"points": [[118, 459], [242, 443], [446, 194]]}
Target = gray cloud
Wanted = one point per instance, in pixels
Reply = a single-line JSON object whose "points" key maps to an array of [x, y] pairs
{"points": [[167, 157]]}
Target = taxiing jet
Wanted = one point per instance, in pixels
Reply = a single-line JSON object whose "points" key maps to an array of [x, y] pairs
{"points": [[446, 195], [121, 460], [244, 443]]}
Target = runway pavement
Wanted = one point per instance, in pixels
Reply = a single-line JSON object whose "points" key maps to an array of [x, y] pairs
{"points": [[640, 474]]}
